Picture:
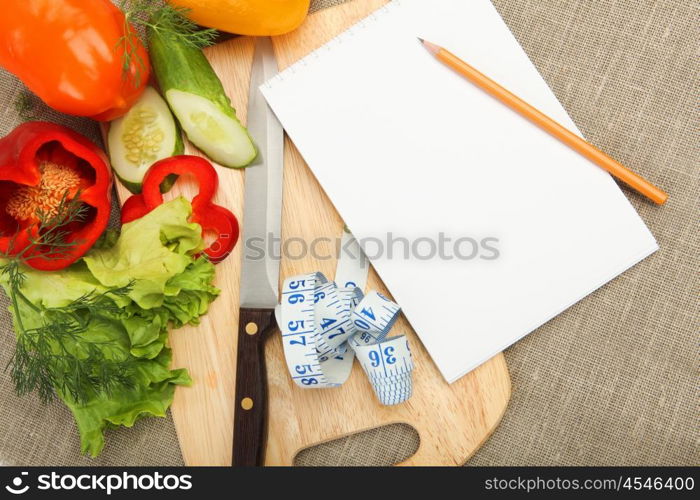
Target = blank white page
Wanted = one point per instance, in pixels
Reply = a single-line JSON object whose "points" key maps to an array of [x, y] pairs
{"points": [[403, 145]]}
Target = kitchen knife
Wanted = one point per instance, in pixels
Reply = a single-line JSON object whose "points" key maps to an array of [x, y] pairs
{"points": [[262, 213]]}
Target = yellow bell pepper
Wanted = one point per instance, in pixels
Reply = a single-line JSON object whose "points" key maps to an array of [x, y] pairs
{"points": [[247, 17]]}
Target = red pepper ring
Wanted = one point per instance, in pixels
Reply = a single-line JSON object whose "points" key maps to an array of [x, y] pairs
{"points": [[223, 223], [133, 208], [180, 165], [212, 217]]}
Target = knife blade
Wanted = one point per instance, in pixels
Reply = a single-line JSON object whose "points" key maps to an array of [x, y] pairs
{"points": [[262, 214]]}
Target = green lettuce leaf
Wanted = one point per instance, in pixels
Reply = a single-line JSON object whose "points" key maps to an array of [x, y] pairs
{"points": [[59, 288], [149, 252], [151, 396], [170, 288]]}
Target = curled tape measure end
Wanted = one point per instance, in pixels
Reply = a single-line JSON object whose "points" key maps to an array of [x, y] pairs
{"points": [[324, 327]]}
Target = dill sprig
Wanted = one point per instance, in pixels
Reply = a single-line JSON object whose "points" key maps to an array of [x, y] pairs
{"points": [[163, 18], [52, 240], [55, 355]]}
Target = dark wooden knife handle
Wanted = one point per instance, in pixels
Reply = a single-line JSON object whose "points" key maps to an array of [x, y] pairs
{"points": [[250, 410]]}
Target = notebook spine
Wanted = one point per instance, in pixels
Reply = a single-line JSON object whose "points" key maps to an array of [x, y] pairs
{"points": [[329, 46]]}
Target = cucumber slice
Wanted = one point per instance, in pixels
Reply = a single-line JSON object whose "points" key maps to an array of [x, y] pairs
{"points": [[221, 137], [146, 134], [197, 97]]}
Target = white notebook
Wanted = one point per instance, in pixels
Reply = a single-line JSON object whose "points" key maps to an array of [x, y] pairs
{"points": [[403, 145]]}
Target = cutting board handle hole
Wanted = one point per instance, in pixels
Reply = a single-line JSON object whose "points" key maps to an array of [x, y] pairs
{"points": [[381, 446]]}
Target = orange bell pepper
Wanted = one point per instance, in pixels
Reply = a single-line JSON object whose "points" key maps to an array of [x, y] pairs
{"points": [[247, 17], [70, 53]]}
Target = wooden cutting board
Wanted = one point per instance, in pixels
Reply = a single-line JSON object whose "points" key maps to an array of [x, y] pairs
{"points": [[452, 420]]}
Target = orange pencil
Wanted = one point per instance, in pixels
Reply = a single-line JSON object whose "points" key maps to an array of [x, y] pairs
{"points": [[556, 129]]}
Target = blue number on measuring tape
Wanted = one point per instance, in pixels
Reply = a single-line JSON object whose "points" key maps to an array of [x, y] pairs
{"points": [[388, 352], [368, 312], [350, 284], [296, 298], [340, 332], [316, 360], [295, 325], [326, 322], [362, 325]]}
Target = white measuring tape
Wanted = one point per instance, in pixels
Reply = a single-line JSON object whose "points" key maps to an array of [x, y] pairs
{"points": [[325, 326]]}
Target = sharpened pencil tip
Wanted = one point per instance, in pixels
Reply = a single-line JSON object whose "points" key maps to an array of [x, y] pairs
{"points": [[420, 39], [430, 47]]}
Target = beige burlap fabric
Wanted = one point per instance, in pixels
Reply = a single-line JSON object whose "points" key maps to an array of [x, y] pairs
{"points": [[613, 380]]}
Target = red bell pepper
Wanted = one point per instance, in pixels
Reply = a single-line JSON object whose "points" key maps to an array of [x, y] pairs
{"points": [[213, 218], [40, 164]]}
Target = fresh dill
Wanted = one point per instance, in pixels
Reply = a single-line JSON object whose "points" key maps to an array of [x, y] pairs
{"points": [[164, 18], [52, 353], [57, 356], [52, 240]]}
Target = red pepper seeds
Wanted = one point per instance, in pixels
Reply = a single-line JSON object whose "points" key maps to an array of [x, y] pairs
{"points": [[57, 181]]}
